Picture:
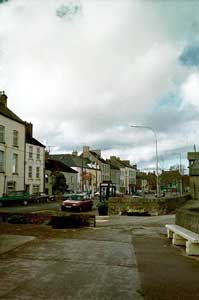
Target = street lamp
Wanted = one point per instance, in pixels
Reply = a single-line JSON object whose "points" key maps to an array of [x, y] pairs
{"points": [[156, 151]]}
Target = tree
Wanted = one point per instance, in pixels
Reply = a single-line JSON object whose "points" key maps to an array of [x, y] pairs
{"points": [[59, 185]]}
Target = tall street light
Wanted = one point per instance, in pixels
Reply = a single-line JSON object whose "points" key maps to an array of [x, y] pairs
{"points": [[156, 151]]}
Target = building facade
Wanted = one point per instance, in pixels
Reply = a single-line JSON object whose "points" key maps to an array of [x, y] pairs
{"points": [[88, 173], [54, 167], [12, 149], [95, 158], [193, 158], [34, 163]]}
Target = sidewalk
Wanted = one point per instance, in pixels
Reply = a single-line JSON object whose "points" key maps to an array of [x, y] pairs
{"points": [[88, 264], [123, 258]]}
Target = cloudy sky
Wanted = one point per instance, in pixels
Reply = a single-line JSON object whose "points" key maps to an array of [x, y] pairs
{"points": [[83, 71]]}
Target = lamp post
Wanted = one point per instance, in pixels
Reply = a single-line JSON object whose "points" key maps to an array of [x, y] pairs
{"points": [[180, 169], [156, 152]]}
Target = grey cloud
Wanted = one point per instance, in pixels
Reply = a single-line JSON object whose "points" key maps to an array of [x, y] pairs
{"points": [[190, 56]]}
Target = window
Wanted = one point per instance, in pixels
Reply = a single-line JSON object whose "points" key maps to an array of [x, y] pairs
{"points": [[14, 163], [38, 153], [37, 172], [2, 134], [30, 172], [35, 189], [11, 186], [15, 138], [1, 161], [30, 152]]}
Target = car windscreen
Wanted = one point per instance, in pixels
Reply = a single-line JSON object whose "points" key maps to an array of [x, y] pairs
{"points": [[75, 198]]}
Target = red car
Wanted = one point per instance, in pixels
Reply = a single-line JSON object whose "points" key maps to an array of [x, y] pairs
{"points": [[77, 202]]}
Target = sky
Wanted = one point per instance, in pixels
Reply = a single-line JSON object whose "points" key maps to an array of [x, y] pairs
{"points": [[83, 71]]}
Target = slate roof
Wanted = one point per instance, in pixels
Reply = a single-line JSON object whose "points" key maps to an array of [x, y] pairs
{"points": [[33, 141], [6, 112], [72, 160], [98, 157], [118, 163], [126, 164], [112, 165], [55, 165]]}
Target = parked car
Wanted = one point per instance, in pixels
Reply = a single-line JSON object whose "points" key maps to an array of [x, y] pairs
{"points": [[39, 198], [52, 197], [76, 202], [15, 197]]}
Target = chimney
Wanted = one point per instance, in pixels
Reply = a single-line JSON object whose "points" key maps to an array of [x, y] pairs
{"points": [[75, 153], [113, 157], [86, 151], [29, 129], [3, 98]]}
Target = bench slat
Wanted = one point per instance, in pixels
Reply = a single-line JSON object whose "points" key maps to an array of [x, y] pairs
{"points": [[185, 233]]}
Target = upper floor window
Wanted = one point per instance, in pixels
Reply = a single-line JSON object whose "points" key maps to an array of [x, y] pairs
{"points": [[1, 161], [15, 138], [37, 172], [14, 163], [30, 152], [30, 172], [38, 153], [2, 134]]}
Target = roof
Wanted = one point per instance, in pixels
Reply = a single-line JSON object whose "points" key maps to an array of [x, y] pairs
{"points": [[72, 160], [112, 165], [6, 112], [118, 163], [98, 157], [127, 164], [33, 141], [55, 165]]}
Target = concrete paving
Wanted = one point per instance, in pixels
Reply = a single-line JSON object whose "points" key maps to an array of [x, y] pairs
{"points": [[122, 258], [98, 264], [9, 242]]}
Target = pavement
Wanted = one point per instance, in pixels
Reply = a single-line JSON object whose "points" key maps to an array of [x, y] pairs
{"points": [[123, 258]]}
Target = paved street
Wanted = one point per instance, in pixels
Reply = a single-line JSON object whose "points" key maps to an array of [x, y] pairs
{"points": [[122, 258]]}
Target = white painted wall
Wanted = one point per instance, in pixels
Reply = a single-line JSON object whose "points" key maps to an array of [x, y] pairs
{"points": [[9, 150], [34, 162]]}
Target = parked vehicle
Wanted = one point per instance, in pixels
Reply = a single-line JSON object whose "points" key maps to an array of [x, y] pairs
{"points": [[39, 198], [52, 197], [15, 197], [76, 202]]}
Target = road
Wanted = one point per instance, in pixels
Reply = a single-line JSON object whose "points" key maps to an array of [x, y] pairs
{"points": [[122, 258]]}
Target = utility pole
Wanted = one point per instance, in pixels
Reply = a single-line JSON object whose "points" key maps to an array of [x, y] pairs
{"points": [[156, 152]]}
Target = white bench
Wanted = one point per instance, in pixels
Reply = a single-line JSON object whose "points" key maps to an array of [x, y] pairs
{"points": [[185, 237]]}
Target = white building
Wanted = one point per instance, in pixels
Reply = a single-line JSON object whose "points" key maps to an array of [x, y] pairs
{"points": [[34, 163], [54, 168], [12, 149]]}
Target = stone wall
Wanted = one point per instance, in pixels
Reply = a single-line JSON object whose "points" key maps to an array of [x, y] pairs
{"points": [[153, 206], [188, 216], [194, 187]]}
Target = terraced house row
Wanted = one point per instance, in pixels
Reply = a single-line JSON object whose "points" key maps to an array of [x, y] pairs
{"points": [[22, 157], [25, 165]]}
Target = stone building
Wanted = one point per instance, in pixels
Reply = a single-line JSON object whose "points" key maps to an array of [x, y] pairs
{"points": [[193, 158]]}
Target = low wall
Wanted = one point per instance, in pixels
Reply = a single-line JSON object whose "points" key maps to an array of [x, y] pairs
{"points": [[57, 220], [153, 206], [188, 216]]}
